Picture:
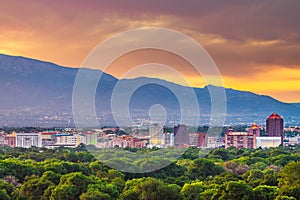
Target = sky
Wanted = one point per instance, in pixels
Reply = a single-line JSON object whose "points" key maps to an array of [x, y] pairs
{"points": [[254, 43]]}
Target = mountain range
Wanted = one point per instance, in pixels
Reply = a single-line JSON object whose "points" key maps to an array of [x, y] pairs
{"points": [[31, 87]]}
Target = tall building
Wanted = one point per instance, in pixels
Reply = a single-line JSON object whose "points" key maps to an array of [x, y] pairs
{"points": [[169, 139], [202, 140], [27, 140], [274, 126], [254, 129], [156, 135], [181, 135]]}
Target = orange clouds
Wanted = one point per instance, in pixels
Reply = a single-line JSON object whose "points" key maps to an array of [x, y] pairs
{"points": [[255, 44], [279, 82]]}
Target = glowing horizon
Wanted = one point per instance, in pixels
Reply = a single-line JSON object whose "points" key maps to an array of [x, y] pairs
{"points": [[253, 49]]}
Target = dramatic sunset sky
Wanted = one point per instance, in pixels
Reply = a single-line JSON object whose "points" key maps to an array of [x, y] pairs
{"points": [[255, 43]]}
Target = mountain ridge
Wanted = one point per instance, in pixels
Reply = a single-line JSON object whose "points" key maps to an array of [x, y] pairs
{"points": [[76, 69], [41, 87]]}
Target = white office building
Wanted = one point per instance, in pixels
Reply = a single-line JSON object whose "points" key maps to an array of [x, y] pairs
{"points": [[27, 140], [267, 142]]}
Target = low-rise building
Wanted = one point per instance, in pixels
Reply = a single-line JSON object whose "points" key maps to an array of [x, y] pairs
{"points": [[240, 140], [28, 140], [72, 140], [48, 137], [215, 141], [121, 141], [10, 140], [291, 141], [90, 138], [267, 142], [127, 141]]}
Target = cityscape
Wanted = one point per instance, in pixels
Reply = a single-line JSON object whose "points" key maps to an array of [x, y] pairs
{"points": [[156, 135], [150, 100]]}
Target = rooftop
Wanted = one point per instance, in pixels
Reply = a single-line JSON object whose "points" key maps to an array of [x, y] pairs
{"points": [[238, 133], [274, 116], [254, 126]]}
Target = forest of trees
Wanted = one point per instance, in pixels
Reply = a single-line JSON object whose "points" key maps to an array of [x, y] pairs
{"points": [[70, 174]]}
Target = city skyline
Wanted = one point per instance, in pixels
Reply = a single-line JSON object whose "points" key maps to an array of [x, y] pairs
{"points": [[255, 44], [150, 99], [272, 134]]}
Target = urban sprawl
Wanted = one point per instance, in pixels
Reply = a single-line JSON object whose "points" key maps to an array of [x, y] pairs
{"points": [[272, 135]]}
